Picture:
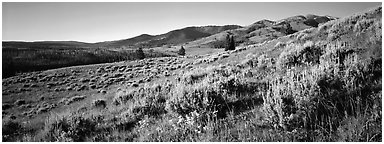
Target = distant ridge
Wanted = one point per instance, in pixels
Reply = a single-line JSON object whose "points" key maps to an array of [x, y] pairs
{"points": [[210, 36], [264, 30], [173, 37]]}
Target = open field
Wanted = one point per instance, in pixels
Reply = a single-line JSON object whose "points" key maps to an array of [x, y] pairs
{"points": [[16, 60]]}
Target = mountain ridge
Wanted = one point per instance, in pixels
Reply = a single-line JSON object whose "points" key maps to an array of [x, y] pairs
{"points": [[192, 34]]}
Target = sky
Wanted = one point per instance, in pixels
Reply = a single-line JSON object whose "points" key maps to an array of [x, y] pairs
{"points": [[97, 22]]}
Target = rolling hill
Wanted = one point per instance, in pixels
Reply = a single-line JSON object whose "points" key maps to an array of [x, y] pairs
{"points": [[211, 36], [174, 37], [145, 40], [263, 30]]}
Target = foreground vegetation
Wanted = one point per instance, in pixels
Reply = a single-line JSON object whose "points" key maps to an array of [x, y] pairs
{"points": [[320, 84]]}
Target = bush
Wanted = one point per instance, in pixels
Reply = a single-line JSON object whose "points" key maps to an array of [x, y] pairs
{"points": [[192, 77], [181, 51], [11, 130], [74, 99], [294, 55], [359, 129], [100, 103], [69, 128], [211, 90], [322, 95], [264, 60], [149, 100], [20, 102], [203, 99], [6, 106], [140, 53], [122, 97]]}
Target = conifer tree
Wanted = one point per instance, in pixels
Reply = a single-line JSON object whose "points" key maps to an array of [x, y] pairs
{"points": [[140, 53], [230, 43], [227, 42], [181, 51]]}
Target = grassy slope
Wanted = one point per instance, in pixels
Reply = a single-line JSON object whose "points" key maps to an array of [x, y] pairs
{"points": [[320, 84], [36, 59], [260, 31], [171, 38]]}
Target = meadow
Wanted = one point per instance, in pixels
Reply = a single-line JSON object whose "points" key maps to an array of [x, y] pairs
{"points": [[18, 60]]}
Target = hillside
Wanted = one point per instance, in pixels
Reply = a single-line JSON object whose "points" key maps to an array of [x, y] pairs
{"points": [[211, 36], [263, 30], [171, 38], [321, 84]]}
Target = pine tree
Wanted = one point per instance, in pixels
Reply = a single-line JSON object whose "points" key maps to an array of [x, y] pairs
{"points": [[227, 42], [181, 51], [140, 53], [230, 43]]}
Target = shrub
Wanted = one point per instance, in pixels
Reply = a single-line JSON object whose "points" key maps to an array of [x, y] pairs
{"points": [[69, 128], [294, 55], [264, 60], [212, 90], [302, 36], [135, 84], [6, 106], [193, 76], [20, 102], [43, 109], [122, 97], [362, 25], [11, 130], [359, 129], [151, 105], [203, 99], [74, 99], [181, 51], [156, 90], [100, 103], [322, 95], [140, 53]]}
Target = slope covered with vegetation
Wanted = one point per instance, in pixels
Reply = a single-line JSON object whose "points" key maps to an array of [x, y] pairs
{"points": [[319, 84], [174, 37], [20, 60], [262, 30]]}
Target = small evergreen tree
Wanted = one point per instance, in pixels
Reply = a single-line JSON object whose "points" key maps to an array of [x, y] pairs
{"points": [[140, 53], [181, 51], [227, 39], [230, 43]]}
